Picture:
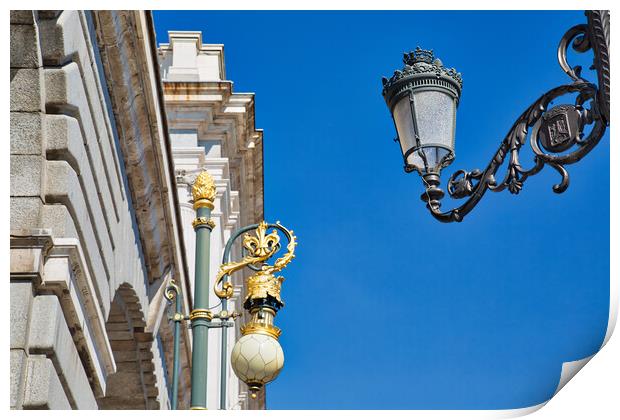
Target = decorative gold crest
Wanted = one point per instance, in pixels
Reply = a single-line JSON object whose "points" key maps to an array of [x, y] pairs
{"points": [[261, 284], [203, 190], [261, 246]]}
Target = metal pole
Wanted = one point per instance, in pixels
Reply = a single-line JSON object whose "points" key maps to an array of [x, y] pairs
{"points": [[223, 360], [173, 292], [203, 192], [224, 348], [178, 318]]}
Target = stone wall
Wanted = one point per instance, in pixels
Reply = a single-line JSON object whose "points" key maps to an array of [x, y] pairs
{"points": [[93, 242]]}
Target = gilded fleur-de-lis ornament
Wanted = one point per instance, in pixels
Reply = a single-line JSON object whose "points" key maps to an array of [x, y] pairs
{"points": [[261, 246]]}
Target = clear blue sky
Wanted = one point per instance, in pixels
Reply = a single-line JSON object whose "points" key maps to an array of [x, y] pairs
{"points": [[386, 307]]}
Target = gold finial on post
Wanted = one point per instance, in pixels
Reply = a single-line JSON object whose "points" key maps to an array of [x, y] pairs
{"points": [[203, 191]]}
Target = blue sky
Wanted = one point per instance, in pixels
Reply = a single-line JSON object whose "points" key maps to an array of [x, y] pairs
{"points": [[386, 307]]}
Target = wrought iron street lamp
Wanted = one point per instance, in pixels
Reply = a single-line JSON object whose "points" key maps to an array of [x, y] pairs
{"points": [[257, 357], [423, 98]]}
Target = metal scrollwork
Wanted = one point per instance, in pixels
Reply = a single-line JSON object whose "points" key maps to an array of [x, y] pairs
{"points": [[556, 135], [172, 291]]}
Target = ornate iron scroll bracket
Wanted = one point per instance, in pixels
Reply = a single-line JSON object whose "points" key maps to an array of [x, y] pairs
{"points": [[557, 135]]}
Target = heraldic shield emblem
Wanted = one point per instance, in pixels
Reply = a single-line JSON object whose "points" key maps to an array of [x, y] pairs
{"points": [[559, 128]]}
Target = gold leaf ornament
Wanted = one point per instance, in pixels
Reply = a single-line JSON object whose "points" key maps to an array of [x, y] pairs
{"points": [[203, 190]]}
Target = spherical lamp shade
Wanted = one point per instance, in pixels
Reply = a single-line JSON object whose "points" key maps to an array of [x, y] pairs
{"points": [[423, 98], [257, 359]]}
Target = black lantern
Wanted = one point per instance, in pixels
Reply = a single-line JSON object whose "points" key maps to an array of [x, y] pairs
{"points": [[423, 98]]}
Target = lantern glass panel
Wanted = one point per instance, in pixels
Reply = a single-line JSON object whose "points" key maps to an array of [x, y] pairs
{"points": [[428, 159], [404, 124], [435, 114], [434, 118]]}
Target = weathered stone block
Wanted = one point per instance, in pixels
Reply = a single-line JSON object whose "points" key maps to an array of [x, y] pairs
{"points": [[49, 14], [22, 17], [44, 324], [57, 273], [26, 90], [21, 300], [120, 335], [26, 175], [26, 133], [18, 364], [64, 37], [25, 212], [50, 335], [124, 383], [24, 47], [123, 403], [27, 260], [57, 218], [52, 41], [64, 86], [63, 134], [43, 389]]}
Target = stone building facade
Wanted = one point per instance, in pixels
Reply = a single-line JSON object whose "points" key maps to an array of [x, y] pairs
{"points": [[99, 209]]}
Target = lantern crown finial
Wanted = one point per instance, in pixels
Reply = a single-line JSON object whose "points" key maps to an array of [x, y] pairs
{"points": [[417, 56], [423, 65]]}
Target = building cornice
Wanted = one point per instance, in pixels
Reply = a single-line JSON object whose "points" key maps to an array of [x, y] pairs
{"points": [[201, 49], [231, 116]]}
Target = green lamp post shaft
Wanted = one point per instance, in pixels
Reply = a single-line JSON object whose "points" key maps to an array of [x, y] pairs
{"points": [[223, 361], [177, 359], [201, 316]]}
